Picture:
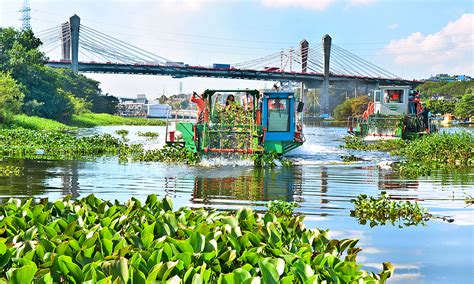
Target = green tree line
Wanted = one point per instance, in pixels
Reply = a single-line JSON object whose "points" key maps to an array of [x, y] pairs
{"points": [[28, 86], [449, 97]]}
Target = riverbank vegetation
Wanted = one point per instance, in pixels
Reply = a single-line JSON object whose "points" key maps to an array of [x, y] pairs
{"points": [[95, 241], [383, 210], [101, 119], [449, 97], [31, 89]]}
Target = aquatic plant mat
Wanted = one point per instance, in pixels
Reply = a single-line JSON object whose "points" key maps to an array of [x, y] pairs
{"points": [[60, 145], [382, 211], [94, 241], [420, 157]]}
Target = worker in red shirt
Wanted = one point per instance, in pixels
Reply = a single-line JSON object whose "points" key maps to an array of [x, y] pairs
{"points": [[202, 114], [395, 97]]}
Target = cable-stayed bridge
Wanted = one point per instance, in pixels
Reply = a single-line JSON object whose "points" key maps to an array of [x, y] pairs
{"points": [[319, 66]]}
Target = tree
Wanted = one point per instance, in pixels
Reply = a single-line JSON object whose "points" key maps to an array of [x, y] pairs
{"points": [[441, 106], [465, 107], [11, 97], [343, 111], [351, 107], [87, 90]]}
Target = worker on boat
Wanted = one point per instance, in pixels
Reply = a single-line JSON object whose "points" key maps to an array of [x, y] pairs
{"points": [[229, 101], [411, 104], [395, 97], [277, 104], [425, 114], [417, 102], [203, 113], [247, 101]]}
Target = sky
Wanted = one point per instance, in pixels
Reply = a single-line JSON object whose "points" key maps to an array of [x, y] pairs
{"points": [[410, 38]]}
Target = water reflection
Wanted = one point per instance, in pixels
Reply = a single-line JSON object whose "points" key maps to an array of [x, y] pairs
{"points": [[249, 185]]}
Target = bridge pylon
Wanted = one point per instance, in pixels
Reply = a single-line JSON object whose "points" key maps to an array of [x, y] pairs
{"points": [[325, 86], [75, 23]]}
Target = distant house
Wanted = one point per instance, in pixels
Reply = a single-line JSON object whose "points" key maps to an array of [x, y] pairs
{"points": [[139, 107], [449, 78]]}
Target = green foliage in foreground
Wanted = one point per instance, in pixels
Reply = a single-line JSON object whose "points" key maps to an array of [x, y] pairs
{"points": [[101, 119], [22, 143], [382, 211], [357, 143], [281, 208], [95, 241]]}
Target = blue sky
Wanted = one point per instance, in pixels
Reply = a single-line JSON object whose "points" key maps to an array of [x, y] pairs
{"points": [[413, 39]]}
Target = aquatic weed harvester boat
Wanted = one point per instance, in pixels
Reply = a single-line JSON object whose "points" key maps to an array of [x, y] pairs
{"points": [[395, 113], [267, 122]]}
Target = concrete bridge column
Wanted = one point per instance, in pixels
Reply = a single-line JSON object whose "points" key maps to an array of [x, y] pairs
{"points": [[75, 23], [325, 87]]}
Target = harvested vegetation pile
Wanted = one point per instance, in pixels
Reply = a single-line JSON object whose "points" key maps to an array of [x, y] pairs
{"points": [[95, 241]]}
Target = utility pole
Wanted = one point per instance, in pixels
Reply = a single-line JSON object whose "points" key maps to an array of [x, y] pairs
{"points": [[25, 15]]}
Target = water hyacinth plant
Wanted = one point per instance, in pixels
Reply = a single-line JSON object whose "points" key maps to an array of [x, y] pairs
{"points": [[95, 241], [281, 208], [382, 211], [23, 143], [7, 171], [357, 143], [445, 150], [148, 134]]}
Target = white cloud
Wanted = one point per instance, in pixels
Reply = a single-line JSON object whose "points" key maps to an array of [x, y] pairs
{"points": [[393, 26], [354, 3], [188, 4], [448, 51], [318, 5]]}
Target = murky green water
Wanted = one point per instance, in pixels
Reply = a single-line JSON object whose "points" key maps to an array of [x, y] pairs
{"points": [[439, 252]]}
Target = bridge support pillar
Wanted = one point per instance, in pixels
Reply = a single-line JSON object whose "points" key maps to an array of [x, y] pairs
{"points": [[75, 23], [325, 87]]}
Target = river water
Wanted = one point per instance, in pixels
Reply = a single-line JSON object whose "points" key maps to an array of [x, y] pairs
{"points": [[323, 186]]}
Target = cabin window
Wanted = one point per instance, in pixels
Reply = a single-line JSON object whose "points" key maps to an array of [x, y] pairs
{"points": [[278, 115], [393, 96], [378, 96]]}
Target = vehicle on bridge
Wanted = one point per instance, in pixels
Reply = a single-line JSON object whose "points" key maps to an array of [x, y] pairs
{"points": [[253, 122], [395, 113]]}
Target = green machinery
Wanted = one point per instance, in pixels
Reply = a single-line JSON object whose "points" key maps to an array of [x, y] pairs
{"points": [[255, 123], [391, 115]]}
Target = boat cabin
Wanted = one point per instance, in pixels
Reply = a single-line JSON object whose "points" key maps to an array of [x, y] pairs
{"points": [[391, 100]]}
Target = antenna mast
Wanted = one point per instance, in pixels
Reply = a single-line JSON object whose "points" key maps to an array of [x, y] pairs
{"points": [[25, 15]]}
